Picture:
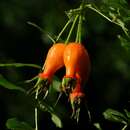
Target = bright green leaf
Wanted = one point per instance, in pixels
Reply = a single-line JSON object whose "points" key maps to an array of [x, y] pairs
{"points": [[14, 124], [6, 84], [56, 120], [20, 65], [115, 116]]}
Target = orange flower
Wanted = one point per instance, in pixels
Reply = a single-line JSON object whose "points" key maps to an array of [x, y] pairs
{"points": [[53, 62], [77, 63]]}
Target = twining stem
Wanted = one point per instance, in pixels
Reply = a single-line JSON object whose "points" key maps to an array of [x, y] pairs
{"points": [[72, 27], [66, 25]]}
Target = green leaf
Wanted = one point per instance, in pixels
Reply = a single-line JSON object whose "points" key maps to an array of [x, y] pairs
{"points": [[14, 124], [97, 125], [114, 116], [127, 113], [126, 19], [56, 84], [124, 42], [115, 3], [20, 65], [56, 120], [31, 80], [6, 84], [45, 107], [122, 24]]}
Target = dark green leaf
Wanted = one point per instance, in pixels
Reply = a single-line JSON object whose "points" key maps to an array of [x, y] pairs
{"points": [[56, 120], [6, 84], [115, 116], [14, 124], [20, 65]]}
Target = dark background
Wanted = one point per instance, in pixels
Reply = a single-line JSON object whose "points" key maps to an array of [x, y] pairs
{"points": [[108, 85]]}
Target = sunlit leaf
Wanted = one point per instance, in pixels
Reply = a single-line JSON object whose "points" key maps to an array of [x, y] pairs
{"points": [[20, 65], [6, 84], [115, 116], [14, 124], [56, 120]]}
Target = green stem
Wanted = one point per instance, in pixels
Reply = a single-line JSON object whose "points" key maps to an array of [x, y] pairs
{"points": [[20, 65], [58, 99], [97, 11], [66, 25], [36, 97], [77, 35], [79, 30], [92, 8], [31, 80], [41, 30], [36, 112], [72, 27]]}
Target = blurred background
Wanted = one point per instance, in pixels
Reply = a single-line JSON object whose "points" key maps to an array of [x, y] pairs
{"points": [[108, 85]]}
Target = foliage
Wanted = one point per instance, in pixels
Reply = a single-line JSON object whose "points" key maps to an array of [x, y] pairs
{"points": [[116, 116], [14, 124]]}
